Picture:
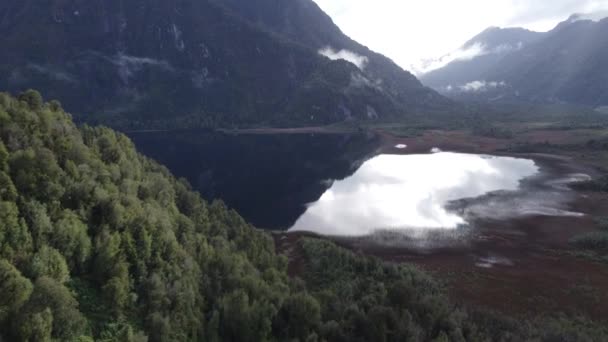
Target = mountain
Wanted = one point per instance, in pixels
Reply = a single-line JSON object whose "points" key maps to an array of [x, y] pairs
{"points": [[568, 64], [485, 52], [304, 22], [186, 63]]}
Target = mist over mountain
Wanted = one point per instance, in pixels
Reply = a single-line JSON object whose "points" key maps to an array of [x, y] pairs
{"points": [[180, 63], [483, 52], [568, 64]]}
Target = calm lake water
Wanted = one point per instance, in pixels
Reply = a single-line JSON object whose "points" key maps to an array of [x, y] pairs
{"points": [[337, 184], [268, 179], [398, 192]]}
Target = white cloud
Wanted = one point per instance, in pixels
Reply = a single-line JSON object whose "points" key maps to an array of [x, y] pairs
{"points": [[349, 56], [428, 65], [481, 86], [410, 32], [597, 16], [359, 81], [129, 65], [467, 54], [134, 61], [506, 48], [544, 15], [54, 73]]}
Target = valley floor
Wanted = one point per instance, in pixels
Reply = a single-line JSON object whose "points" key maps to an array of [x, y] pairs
{"points": [[519, 267]]}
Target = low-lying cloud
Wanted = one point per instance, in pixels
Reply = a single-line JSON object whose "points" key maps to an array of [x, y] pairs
{"points": [[506, 48], [464, 54], [347, 55], [597, 16], [359, 81], [129, 65], [54, 73], [478, 86]]}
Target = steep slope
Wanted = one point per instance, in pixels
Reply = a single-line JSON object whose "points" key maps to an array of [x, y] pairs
{"points": [[568, 64], [304, 22], [183, 63], [97, 240]]}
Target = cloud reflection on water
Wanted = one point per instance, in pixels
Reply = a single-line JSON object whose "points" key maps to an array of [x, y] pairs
{"points": [[402, 192]]}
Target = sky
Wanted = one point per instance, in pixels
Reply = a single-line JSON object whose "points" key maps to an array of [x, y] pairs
{"points": [[412, 32]]}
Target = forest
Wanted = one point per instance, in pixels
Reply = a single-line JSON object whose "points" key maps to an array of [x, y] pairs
{"points": [[100, 243]]}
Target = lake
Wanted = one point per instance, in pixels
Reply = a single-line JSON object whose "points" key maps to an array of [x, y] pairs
{"points": [[401, 192], [268, 178], [339, 184]]}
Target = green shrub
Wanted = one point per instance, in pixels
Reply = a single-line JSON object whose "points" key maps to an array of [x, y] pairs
{"points": [[597, 241], [602, 223]]}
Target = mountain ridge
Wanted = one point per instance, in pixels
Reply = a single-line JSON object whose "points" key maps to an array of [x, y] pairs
{"points": [[188, 64], [568, 64], [488, 47]]}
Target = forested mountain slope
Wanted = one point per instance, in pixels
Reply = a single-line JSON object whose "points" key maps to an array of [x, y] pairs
{"points": [[97, 240], [185, 63]]}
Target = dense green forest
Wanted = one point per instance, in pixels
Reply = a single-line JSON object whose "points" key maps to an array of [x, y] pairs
{"points": [[97, 242]]}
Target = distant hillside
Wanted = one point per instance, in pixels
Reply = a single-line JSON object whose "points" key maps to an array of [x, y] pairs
{"points": [[568, 64], [160, 64], [492, 45]]}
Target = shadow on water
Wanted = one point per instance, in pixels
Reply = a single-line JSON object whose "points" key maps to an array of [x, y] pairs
{"points": [[267, 178]]}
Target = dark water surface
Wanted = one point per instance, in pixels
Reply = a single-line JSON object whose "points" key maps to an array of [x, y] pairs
{"points": [[339, 184], [268, 178]]}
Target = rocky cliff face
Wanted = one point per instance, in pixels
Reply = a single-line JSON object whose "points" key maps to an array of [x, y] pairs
{"points": [[185, 63]]}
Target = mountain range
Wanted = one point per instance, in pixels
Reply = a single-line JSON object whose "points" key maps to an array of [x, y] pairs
{"points": [[568, 64], [185, 63]]}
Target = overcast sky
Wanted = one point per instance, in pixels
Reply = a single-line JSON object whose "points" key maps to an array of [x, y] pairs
{"points": [[410, 31]]}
